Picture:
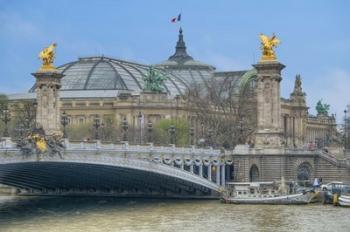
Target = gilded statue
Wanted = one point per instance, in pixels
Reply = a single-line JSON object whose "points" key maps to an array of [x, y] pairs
{"points": [[267, 47], [47, 55]]}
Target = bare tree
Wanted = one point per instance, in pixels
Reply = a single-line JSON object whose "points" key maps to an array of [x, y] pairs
{"points": [[24, 114], [224, 109]]}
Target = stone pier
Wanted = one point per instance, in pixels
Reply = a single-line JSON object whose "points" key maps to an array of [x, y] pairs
{"points": [[47, 88]]}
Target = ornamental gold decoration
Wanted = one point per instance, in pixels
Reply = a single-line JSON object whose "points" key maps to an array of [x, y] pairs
{"points": [[267, 47], [47, 55]]}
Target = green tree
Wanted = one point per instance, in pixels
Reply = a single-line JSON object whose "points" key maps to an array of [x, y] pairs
{"points": [[162, 132], [79, 132], [3, 106], [3, 101]]}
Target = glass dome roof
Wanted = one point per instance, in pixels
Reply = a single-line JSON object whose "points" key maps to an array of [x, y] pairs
{"points": [[103, 73]]}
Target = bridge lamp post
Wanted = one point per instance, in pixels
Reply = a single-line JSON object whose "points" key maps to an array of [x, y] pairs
{"points": [[241, 131], [210, 135], [150, 130], [140, 116], [191, 135], [201, 140], [6, 118], [346, 128], [125, 128], [172, 131], [21, 129], [96, 125], [64, 122]]}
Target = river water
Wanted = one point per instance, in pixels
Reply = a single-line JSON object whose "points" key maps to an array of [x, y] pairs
{"points": [[112, 214]]}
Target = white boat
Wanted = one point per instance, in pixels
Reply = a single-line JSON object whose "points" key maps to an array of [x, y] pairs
{"points": [[344, 200], [263, 193], [293, 199]]}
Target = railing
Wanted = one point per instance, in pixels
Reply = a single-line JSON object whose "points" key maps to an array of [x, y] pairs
{"points": [[125, 147]]}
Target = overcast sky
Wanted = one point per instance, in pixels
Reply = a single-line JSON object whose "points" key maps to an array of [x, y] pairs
{"points": [[315, 37]]}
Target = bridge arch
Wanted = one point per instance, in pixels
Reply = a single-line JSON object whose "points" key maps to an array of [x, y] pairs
{"points": [[304, 172], [142, 175], [254, 173]]}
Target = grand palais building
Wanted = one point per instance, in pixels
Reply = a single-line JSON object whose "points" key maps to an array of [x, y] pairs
{"points": [[103, 87]]}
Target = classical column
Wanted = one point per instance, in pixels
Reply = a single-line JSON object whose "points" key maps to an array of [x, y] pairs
{"points": [[201, 170], [47, 88], [223, 175], [191, 168], [269, 127], [209, 172], [217, 174]]}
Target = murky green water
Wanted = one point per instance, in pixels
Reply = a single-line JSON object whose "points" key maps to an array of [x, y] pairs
{"points": [[111, 214]]}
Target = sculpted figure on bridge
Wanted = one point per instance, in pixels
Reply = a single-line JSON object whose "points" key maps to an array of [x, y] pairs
{"points": [[38, 143], [267, 47], [47, 55]]}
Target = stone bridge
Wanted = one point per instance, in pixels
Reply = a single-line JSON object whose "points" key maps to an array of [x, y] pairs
{"points": [[149, 171], [119, 170]]}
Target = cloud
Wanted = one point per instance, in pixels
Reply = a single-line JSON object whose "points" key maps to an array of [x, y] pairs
{"points": [[333, 88]]}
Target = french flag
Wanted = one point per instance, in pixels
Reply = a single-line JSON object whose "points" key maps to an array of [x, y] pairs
{"points": [[176, 19]]}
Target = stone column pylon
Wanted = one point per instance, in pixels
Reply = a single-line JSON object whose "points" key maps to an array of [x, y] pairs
{"points": [[223, 175], [201, 170], [217, 174], [269, 127], [47, 88], [209, 172]]}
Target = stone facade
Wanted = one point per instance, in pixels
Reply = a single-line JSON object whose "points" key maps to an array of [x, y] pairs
{"points": [[103, 88], [273, 164]]}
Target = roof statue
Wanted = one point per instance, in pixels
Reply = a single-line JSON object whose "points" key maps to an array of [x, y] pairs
{"points": [[322, 108], [153, 81], [298, 91], [47, 55], [267, 47]]}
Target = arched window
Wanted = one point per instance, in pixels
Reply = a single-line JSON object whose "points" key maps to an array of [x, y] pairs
{"points": [[304, 172], [254, 173]]}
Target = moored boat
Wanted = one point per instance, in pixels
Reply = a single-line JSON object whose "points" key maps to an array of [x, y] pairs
{"points": [[263, 193], [344, 200], [292, 199]]}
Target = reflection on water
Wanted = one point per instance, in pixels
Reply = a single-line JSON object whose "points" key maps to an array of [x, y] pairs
{"points": [[112, 214]]}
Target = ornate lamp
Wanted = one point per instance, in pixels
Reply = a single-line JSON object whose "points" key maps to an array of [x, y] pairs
{"points": [[191, 135], [125, 128], [150, 130], [140, 116], [96, 125], [172, 132], [210, 136], [346, 128], [64, 122]]}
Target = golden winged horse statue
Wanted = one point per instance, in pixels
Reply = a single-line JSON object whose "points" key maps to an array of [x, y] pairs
{"points": [[267, 47], [47, 55]]}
